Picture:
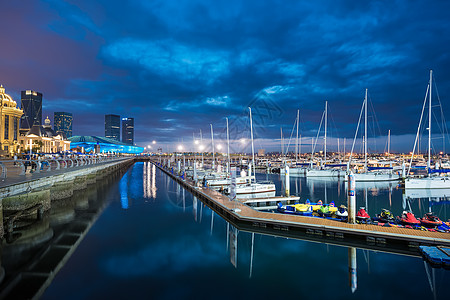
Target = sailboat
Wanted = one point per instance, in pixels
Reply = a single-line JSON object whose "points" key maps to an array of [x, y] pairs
{"points": [[254, 189], [323, 171], [431, 181], [366, 174], [297, 168], [222, 183]]}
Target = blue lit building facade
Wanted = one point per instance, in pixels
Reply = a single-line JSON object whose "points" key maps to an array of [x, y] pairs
{"points": [[107, 145]]}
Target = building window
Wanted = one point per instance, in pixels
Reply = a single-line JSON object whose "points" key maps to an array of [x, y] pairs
{"points": [[6, 128], [16, 121]]}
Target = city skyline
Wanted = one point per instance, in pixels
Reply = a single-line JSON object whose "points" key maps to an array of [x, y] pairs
{"points": [[176, 73]]}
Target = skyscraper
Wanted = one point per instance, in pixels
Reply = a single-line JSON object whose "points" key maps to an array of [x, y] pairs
{"points": [[31, 104], [62, 123], [112, 127], [128, 131]]}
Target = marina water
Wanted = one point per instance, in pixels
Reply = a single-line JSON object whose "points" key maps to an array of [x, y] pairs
{"points": [[154, 240]]}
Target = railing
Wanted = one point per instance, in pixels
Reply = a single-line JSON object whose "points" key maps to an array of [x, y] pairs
{"points": [[47, 165]]}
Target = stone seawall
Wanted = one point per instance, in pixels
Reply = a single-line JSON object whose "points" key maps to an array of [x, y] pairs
{"points": [[39, 194]]}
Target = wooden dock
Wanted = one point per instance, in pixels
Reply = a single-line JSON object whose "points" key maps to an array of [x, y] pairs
{"points": [[241, 214]]}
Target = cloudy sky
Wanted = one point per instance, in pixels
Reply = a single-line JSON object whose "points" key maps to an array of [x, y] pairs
{"points": [[179, 66]]}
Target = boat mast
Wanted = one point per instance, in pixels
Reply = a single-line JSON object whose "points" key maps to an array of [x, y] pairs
{"points": [[389, 142], [429, 123], [325, 138], [296, 157], [282, 148], [251, 135], [365, 132], [212, 144], [228, 149], [201, 145]]}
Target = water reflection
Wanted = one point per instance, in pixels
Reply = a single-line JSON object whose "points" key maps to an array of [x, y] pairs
{"points": [[166, 249], [123, 188], [149, 180], [38, 249]]}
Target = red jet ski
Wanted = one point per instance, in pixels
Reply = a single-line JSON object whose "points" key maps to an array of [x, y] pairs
{"points": [[408, 218], [362, 215], [430, 220]]}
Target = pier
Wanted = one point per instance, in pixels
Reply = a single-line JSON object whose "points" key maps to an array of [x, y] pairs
{"points": [[243, 215]]}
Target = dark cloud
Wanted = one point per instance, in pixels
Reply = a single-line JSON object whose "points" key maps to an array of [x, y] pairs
{"points": [[178, 66]]}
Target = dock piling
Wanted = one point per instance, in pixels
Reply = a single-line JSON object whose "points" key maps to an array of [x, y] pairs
{"points": [[351, 198]]}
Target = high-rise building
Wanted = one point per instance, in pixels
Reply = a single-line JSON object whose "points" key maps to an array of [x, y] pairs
{"points": [[62, 123], [112, 127], [128, 131], [31, 104]]}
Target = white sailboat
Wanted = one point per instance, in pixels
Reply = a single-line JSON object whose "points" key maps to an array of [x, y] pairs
{"points": [[429, 182], [322, 171], [297, 169], [254, 189], [224, 181], [366, 175]]}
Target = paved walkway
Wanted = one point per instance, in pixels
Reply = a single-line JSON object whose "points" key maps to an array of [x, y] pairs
{"points": [[13, 171]]}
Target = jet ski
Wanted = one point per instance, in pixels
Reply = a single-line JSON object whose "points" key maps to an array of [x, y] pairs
{"points": [[408, 218], [326, 210], [430, 220], [385, 217], [342, 212], [362, 215]]}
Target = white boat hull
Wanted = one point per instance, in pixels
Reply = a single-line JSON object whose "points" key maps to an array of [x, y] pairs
{"points": [[428, 183], [325, 173], [370, 177], [255, 190]]}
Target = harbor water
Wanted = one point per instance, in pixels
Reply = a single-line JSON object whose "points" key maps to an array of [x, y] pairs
{"points": [[154, 240]]}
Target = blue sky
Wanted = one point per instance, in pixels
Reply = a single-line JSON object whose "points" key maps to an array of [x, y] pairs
{"points": [[179, 66]]}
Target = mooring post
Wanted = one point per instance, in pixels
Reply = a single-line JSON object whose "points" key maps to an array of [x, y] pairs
{"points": [[351, 198], [287, 186]]}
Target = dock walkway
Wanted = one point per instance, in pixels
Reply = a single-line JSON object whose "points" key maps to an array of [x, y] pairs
{"points": [[239, 212]]}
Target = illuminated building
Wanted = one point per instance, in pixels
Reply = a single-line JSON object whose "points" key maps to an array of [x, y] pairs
{"points": [[128, 131], [99, 144], [31, 104], [62, 123], [9, 124], [43, 139], [112, 127]]}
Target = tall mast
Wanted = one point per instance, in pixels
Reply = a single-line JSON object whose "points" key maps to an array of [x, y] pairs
{"points": [[228, 149], [429, 123], [296, 157], [325, 138], [365, 132], [282, 146], [212, 144], [201, 145], [389, 142], [251, 135]]}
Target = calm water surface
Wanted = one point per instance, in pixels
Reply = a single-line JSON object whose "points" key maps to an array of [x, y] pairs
{"points": [[155, 240]]}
